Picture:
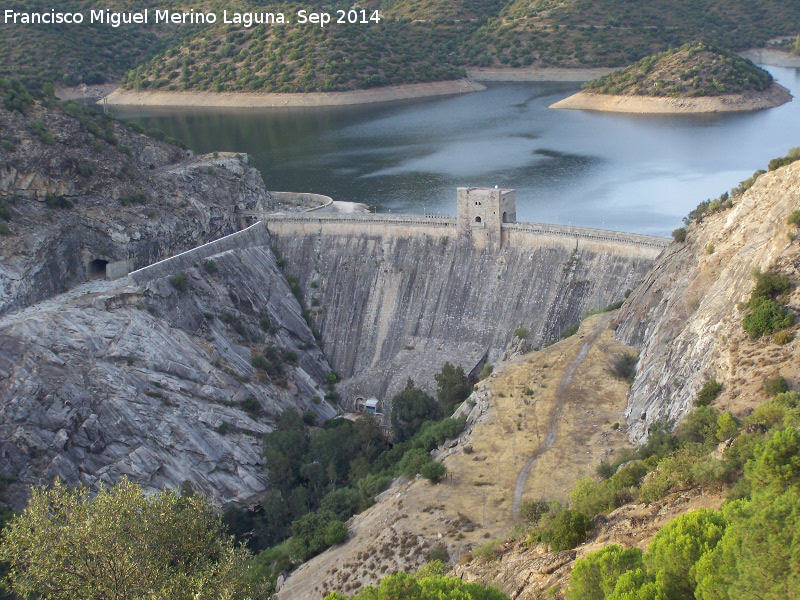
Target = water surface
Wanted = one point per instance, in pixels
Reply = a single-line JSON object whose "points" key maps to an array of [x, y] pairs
{"points": [[624, 172]]}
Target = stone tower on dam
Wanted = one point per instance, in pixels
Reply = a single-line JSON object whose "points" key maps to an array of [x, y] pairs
{"points": [[481, 213]]}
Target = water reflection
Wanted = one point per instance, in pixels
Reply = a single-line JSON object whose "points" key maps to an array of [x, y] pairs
{"points": [[626, 172]]}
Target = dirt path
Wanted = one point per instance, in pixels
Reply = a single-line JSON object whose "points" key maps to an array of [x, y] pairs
{"points": [[552, 429]]}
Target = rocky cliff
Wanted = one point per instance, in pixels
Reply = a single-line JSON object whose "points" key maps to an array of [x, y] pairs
{"points": [[389, 308], [156, 381], [79, 187], [687, 318]]}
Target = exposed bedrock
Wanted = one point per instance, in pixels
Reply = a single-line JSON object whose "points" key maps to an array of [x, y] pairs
{"points": [[393, 307], [156, 381], [687, 315]]}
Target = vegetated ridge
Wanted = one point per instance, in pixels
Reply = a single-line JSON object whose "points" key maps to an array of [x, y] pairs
{"points": [[415, 41], [692, 70]]}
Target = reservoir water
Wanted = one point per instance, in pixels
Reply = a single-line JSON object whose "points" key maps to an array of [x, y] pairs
{"points": [[626, 172]]}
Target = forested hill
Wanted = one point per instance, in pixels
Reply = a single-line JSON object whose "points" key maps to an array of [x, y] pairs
{"points": [[415, 40]]}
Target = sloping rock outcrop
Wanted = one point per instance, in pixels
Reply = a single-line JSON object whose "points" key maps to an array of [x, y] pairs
{"points": [[156, 383], [687, 314]]}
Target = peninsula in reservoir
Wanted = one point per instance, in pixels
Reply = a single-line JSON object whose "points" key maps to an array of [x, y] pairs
{"points": [[695, 78]]}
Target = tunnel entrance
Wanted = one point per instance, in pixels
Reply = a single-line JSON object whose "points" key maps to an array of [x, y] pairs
{"points": [[97, 269], [477, 219], [505, 217]]}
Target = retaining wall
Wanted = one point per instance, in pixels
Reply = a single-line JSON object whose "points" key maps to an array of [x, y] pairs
{"points": [[255, 235]]}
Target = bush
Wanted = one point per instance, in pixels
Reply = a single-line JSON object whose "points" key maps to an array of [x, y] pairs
{"points": [[624, 366], [136, 197], [678, 545], [57, 201], [794, 218], [179, 282], [433, 471], [335, 533], [768, 317], [122, 542], [570, 331], [792, 156], [775, 385], [250, 404], [595, 575], [679, 235], [564, 531], [783, 337], [485, 371], [440, 554], [211, 267], [523, 333], [532, 511], [708, 393], [4, 229]]}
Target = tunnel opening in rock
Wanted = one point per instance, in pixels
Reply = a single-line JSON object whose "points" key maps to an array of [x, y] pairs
{"points": [[477, 219], [97, 269]]}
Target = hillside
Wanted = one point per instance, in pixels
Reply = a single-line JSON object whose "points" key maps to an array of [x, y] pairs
{"points": [[687, 316], [691, 70], [415, 41], [154, 381]]}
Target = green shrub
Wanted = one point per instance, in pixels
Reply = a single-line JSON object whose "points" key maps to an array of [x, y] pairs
{"points": [[250, 404], [57, 201], [678, 545], [532, 511], [673, 473], [136, 197], [211, 267], [179, 282], [485, 371], [570, 331], [708, 393], [775, 385], [439, 554], [700, 426], [794, 218], [679, 235], [563, 530], [433, 471], [792, 156], [265, 323], [783, 337], [768, 317], [623, 366], [595, 575], [335, 533], [523, 333], [4, 229]]}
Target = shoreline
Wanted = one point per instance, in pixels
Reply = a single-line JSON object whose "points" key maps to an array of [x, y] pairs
{"points": [[772, 58], [776, 95], [275, 100], [119, 97]]}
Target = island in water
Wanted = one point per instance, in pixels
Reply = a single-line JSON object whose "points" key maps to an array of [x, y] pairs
{"points": [[695, 78]]}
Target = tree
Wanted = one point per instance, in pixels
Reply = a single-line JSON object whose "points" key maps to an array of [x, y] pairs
{"points": [[410, 409], [678, 545], [122, 544], [454, 387], [595, 575]]}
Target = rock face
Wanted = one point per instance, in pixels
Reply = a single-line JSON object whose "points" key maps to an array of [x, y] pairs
{"points": [[393, 308], [134, 199], [155, 383], [686, 315]]}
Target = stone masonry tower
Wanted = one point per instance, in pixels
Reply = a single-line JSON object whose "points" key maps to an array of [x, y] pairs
{"points": [[481, 213]]}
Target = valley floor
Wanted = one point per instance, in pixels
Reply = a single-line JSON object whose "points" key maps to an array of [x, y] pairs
{"points": [[549, 414]]}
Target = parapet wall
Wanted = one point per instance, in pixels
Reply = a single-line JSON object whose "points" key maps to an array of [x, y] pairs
{"points": [[255, 235], [525, 235]]}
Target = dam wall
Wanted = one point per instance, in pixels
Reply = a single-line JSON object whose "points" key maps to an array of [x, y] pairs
{"points": [[397, 298], [528, 235]]}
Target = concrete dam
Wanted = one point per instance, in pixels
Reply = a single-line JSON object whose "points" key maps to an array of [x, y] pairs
{"points": [[394, 297]]}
